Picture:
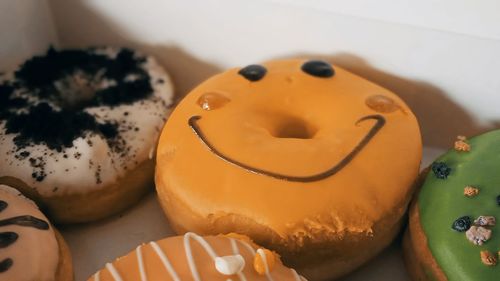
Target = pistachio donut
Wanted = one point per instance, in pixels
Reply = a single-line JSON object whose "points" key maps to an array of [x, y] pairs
{"points": [[78, 129], [306, 159], [453, 234], [30, 248], [193, 257]]}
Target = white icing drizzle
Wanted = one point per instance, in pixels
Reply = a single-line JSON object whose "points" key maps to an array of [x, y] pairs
{"points": [[236, 251], [189, 253], [191, 263], [266, 266], [248, 247], [97, 276], [165, 261], [234, 246], [114, 272], [140, 261]]}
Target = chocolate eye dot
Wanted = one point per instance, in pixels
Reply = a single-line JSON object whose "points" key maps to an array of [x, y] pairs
{"points": [[381, 104], [318, 68], [212, 100], [253, 72]]}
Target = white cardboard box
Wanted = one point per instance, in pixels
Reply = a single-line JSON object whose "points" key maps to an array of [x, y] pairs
{"points": [[442, 57]]}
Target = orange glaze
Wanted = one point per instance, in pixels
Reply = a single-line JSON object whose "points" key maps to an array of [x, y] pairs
{"points": [[291, 123]]}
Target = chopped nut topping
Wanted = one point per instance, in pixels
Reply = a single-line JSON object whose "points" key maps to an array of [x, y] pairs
{"points": [[461, 144], [478, 235], [485, 221], [488, 258], [471, 191]]}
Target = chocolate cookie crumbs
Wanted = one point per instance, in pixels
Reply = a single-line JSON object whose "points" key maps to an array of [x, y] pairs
{"points": [[56, 129], [47, 100]]}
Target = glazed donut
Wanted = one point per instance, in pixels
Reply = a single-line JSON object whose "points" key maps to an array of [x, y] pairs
{"points": [[78, 129], [452, 234], [30, 248], [308, 160], [193, 257]]}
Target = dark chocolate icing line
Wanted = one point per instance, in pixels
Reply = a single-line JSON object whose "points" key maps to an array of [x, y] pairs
{"points": [[28, 221], [380, 122], [3, 205], [6, 264], [7, 239]]}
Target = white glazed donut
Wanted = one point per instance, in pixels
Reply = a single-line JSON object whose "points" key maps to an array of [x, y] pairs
{"points": [[78, 129]]}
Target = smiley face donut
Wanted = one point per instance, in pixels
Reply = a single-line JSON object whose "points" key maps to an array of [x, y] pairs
{"points": [[306, 159], [194, 257], [78, 129], [453, 232], [30, 248]]}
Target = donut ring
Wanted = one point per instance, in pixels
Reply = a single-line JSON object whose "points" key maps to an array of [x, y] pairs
{"points": [[453, 233], [308, 160], [193, 257], [78, 129], [32, 250]]}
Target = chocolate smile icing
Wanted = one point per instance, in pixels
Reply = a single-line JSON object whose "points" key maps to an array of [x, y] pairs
{"points": [[380, 122]]}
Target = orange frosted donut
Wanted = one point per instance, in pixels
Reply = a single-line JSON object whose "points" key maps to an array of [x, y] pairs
{"points": [[193, 257], [309, 160]]}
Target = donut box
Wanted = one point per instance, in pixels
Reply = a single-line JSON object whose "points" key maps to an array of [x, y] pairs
{"points": [[231, 91]]}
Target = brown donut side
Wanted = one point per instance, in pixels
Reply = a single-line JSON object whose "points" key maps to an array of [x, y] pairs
{"points": [[316, 259], [418, 258], [94, 205]]}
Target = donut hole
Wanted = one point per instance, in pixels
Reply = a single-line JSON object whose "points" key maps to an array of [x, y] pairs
{"points": [[76, 91], [294, 128]]}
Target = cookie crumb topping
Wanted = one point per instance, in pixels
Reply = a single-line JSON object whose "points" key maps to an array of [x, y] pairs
{"points": [[471, 191], [461, 144], [478, 235], [485, 221], [488, 258]]}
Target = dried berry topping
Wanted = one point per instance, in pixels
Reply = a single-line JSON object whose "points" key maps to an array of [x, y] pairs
{"points": [[441, 170], [462, 224]]}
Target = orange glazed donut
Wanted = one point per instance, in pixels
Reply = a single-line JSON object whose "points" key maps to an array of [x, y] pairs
{"points": [[31, 249], [193, 257], [310, 161]]}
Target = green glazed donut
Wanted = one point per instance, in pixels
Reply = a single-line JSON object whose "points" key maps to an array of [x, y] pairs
{"points": [[436, 243]]}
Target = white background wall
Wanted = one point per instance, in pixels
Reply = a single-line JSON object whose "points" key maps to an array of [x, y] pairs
{"points": [[26, 28], [441, 56]]}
